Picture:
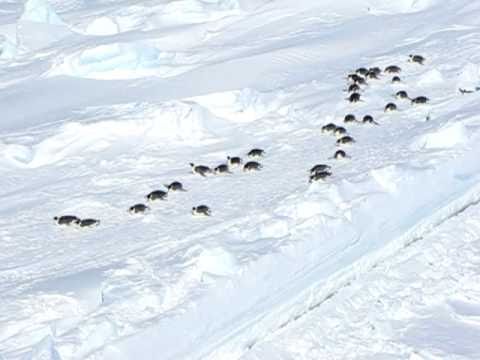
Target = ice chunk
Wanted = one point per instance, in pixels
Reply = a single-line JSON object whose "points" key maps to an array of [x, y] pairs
{"points": [[40, 11], [44, 350]]}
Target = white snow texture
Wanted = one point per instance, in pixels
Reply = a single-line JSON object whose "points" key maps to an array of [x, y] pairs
{"points": [[105, 101]]}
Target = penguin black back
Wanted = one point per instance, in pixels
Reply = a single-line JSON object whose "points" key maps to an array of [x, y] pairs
{"points": [[319, 168], [252, 166], [66, 220], [256, 152], [138, 208], [349, 118], [175, 186], [353, 88], [361, 71], [345, 140], [419, 59], [200, 169], [390, 107], [202, 210], [354, 97], [340, 154], [157, 195], [368, 119], [234, 161], [393, 69], [420, 100], [330, 127], [339, 131], [89, 222], [357, 79], [371, 75], [222, 169], [402, 94], [321, 175]]}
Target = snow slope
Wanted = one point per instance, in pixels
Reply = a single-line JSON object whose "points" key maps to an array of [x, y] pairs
{"points": [[421, 303], [104, 101]]}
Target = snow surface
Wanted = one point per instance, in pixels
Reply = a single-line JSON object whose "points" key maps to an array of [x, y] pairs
{"points": [[105, 101], [420, 303]]}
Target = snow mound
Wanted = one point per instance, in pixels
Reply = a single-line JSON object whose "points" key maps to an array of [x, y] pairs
{"points": [[448, 136], [178, 122], [103, 26], [216, 261], [387, 177], [40, 11], [122, 61]]}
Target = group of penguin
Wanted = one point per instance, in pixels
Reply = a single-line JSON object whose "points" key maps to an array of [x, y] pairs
{"points": [[356, 80], [318, 172], [176, 186]]}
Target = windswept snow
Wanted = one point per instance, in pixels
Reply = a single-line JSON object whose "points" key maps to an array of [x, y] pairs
{"points": [[105, 101]]}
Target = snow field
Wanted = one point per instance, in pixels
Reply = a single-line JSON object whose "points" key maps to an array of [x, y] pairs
{"points": [[115, 115]]}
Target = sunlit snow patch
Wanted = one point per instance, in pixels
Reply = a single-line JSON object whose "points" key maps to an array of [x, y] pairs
{"points": [[431, 78], [448, 136], [216, 261], [387, 177]]}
